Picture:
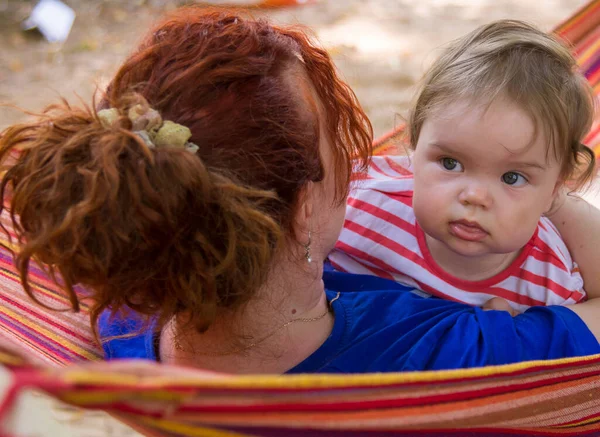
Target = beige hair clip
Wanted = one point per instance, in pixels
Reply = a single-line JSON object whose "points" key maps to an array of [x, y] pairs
{"points": [[150, 127]]}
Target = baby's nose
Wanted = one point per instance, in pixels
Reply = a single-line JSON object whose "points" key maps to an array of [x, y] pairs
{"points": [[476, 194]]}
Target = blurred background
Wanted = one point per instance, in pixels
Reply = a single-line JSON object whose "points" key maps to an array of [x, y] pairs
{"points": [[381, 47]]}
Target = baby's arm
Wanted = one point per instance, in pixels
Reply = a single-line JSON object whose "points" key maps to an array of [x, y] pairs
{"points": [[579, 224]]}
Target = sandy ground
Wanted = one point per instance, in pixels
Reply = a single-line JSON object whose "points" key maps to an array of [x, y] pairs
{"points": [[380, 46]]}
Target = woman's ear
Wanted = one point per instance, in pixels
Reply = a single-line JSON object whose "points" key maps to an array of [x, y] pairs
{"points": [[304, 212]]}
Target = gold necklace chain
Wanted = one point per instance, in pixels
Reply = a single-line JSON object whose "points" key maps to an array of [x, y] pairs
{"points": [[178, 346]]}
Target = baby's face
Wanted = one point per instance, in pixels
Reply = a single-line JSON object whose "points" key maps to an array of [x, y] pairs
{"points": [[482, 180]]}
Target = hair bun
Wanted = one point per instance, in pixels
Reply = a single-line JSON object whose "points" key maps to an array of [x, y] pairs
{"points": [[156, 231]]}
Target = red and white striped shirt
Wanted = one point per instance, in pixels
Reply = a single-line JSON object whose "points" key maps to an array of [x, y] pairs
{"points": [[381, 237]]}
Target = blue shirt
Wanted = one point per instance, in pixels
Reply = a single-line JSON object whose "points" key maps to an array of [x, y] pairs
{"points": [[381, 326]]}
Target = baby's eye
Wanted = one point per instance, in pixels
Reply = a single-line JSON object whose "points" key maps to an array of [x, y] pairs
{"points": [[451, 164], [514, 179]]}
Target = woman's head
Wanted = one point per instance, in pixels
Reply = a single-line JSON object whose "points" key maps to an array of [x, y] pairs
{"points": [[514, 61], [163, 230]]}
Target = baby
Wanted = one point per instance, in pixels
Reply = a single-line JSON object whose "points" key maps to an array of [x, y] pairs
{"points": [[496, 134]]}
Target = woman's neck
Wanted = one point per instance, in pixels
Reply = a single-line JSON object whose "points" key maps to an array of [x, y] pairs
{"points": [[285, 322], [473, 268]]}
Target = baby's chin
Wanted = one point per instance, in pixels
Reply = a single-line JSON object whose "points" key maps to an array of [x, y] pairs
{"points": [[470, 249], [474, 249]]}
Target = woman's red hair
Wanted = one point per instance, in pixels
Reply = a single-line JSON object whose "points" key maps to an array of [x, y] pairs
{"points": [[162, 230]]}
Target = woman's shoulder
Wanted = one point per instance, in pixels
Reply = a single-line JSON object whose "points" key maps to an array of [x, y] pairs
{"points": [[373, 316], [382, 326], [126, 336]]}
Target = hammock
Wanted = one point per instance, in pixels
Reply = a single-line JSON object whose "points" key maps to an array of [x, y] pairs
{"points": [[549, 398]]}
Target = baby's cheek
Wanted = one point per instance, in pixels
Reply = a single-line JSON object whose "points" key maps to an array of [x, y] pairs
{"points": [[428, 210], [518, 225]]}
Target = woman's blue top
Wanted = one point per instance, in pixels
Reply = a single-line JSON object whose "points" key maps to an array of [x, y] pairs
{"points": [[382, 326]]}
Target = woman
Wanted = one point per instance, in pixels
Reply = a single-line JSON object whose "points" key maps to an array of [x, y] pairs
{"points": [[208, 251]]}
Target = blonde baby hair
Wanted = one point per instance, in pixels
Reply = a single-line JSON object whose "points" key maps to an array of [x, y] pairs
{"points": [[514, 60]]}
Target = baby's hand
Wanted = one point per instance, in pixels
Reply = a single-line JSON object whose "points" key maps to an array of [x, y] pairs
{"points": [[499, 304]]}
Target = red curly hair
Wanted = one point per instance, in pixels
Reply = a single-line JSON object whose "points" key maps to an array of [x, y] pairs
{"points": [[164, 231]]}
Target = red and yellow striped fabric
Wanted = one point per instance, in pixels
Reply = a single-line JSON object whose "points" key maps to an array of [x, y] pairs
{"points": [[549, 398], [553, 398]]}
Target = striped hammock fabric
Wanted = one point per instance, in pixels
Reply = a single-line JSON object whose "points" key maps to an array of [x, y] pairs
{"points": [[548, 398]]}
